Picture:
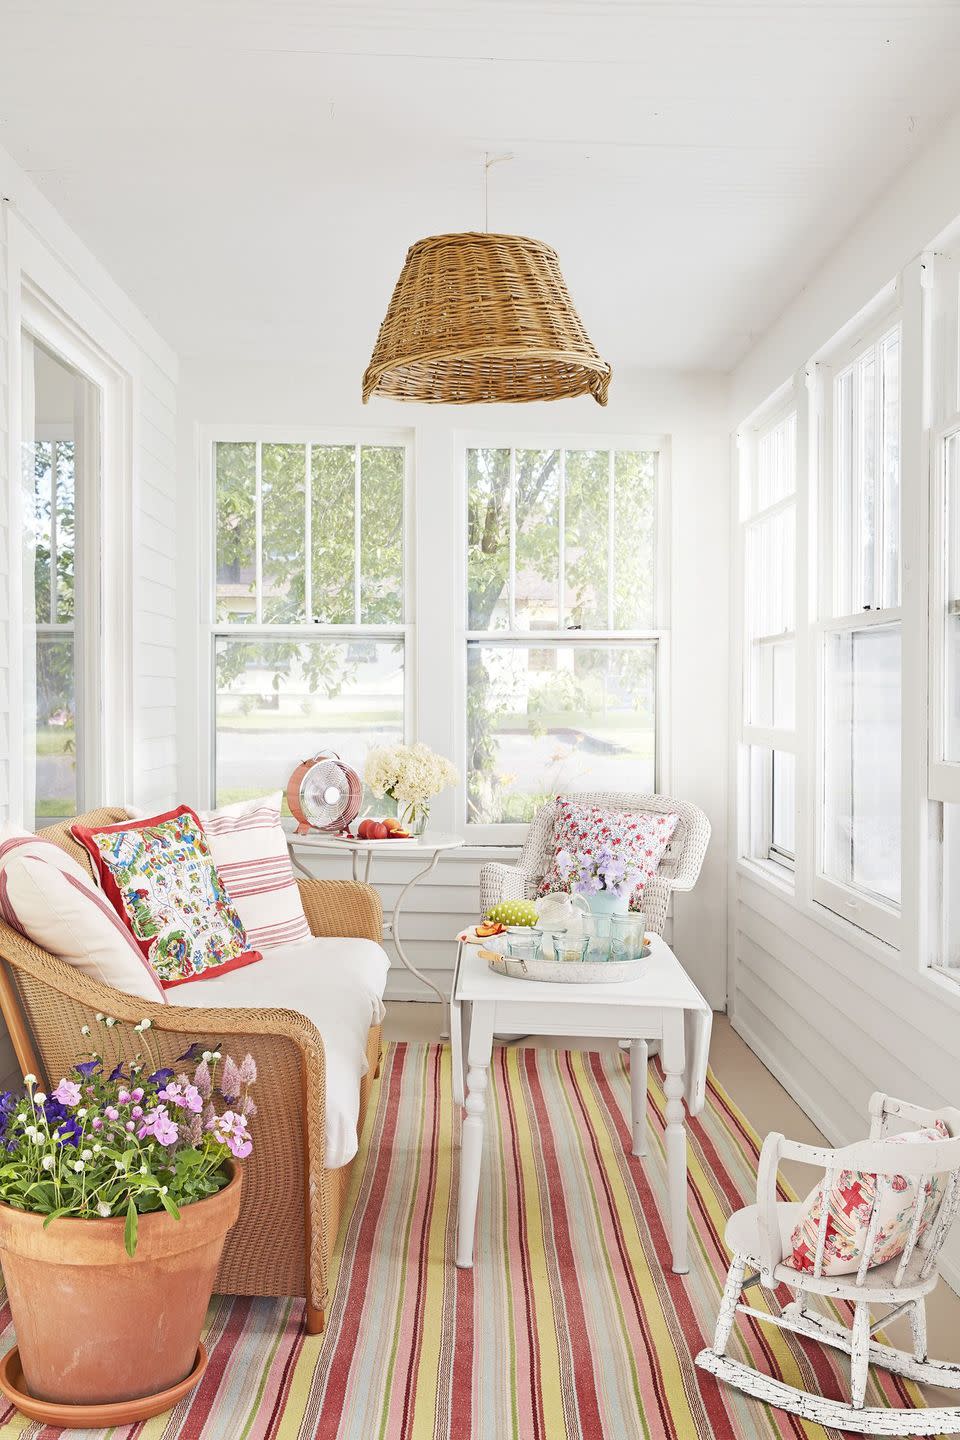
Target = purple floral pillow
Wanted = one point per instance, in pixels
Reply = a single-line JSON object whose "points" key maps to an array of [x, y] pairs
{"points": [[606, 850]]}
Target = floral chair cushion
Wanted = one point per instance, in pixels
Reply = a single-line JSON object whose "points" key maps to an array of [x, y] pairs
{"points": [[851, 1201], [160, 878], [587, 832]]}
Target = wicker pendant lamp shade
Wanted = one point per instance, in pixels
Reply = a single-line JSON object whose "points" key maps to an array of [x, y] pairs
{"points": [[478, 318]]}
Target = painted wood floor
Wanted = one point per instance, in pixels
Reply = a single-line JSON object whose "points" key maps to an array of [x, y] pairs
{"points": [[768, 1106]]}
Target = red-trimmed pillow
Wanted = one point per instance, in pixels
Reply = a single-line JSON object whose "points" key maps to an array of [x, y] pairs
{"points": [[160, 878], [586, 830]]}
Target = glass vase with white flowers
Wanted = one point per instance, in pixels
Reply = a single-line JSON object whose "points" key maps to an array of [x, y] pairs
{"points": [[411, 776]]}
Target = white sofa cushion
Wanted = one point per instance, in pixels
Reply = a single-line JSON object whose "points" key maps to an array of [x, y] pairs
{"points": [[57, 907], [336, 983]]}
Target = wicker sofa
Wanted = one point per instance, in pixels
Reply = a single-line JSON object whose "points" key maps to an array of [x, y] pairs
{"points": [[292, 1206]]}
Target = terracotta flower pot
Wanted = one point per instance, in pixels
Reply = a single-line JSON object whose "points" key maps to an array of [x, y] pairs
{"points": [[96, 1325]]}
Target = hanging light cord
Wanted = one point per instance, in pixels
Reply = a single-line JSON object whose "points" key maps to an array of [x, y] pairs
{"points": [[488, 162]]}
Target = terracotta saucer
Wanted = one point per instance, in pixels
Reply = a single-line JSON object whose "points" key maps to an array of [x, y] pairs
{"points": [[82, 1417]]}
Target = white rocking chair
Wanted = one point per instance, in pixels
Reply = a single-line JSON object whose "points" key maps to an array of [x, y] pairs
{"points": [[759, 1237]]}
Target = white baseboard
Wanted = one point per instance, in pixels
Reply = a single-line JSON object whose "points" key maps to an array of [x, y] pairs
{"points": [[949, 1269]]}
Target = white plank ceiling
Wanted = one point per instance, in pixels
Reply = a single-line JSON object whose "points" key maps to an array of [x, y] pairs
{"points": [[252, 171]]}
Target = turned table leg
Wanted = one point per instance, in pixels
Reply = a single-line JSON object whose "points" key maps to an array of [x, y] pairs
{"points": [[676, 1135], [471, 1144]]}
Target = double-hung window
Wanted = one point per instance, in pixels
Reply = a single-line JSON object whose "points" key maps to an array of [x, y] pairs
{"points": [[859, 771], [310, 629], [768, 526], [564, 626]]}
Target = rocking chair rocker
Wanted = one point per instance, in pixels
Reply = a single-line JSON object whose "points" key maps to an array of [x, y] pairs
{"points": [[759, 1237]]}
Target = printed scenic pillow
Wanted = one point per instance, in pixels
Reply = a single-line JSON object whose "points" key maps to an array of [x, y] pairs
{"points": [[585, 830], [160, 878]]}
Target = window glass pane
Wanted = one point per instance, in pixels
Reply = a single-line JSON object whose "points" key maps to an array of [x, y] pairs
{"points": [[586, 532], [784, 788], [60, 435], [56, 738], [770, 582], [42, 538], [777, 463], [861, 797], [634, 539], [236, 466], [542, 720], [867, 437], [66, 530], [952, 687], [488, 539], [537, 559], [890, 495], [381, 534], [865, 532], [278, 701], [332, 533], [283, 488]]}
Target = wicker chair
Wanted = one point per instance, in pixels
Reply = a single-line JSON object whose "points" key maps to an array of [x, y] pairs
{"points": [[292, 1206], [678, 869]]}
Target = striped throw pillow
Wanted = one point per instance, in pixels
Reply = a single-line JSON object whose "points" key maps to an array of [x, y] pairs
{"points": [[249, 849], [58, 908]]}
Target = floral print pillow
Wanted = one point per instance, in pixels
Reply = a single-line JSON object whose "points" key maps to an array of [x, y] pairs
{"points": [[851, 1200], [586, 831], [160, 878]]}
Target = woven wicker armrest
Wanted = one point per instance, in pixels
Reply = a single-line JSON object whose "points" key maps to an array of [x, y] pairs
{"points": [[342, 907], [505, 882]]}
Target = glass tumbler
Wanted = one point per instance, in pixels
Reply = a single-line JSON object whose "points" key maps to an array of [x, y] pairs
{"points": [[524, 947], [596, 930], [626, 936]]}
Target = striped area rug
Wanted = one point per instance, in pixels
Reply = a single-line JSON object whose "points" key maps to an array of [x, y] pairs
{"points": [[571, 1323]]}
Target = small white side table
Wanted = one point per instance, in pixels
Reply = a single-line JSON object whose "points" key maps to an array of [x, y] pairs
{"points": [[428, 847], [662, 1004]]}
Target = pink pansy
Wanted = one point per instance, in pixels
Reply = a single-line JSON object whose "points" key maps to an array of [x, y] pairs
{"points": [[230, 1129], [185, 1097], [158, 1124], [67, 1092]]}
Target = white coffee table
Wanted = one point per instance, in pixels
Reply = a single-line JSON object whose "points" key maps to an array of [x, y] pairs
{"points": [[663, 1004], [428, 847]]}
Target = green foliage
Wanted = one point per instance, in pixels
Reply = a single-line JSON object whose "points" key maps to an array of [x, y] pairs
{"points": [[121, 1137]]}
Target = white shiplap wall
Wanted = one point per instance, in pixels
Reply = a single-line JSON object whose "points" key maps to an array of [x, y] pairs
{"points": [[833, 1014]]}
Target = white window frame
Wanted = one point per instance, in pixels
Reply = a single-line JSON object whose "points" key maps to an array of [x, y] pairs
{"points": [[943, 774], [754, 832], [508, 438], [44, 299], [211, 629], [869, 913]]}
